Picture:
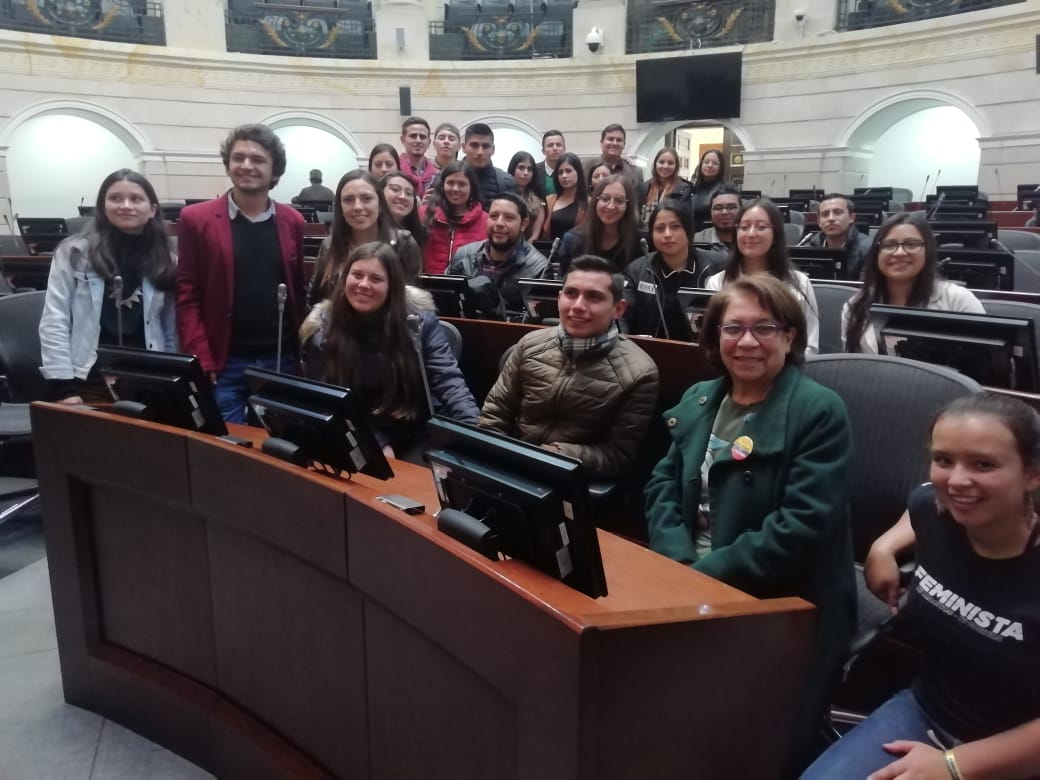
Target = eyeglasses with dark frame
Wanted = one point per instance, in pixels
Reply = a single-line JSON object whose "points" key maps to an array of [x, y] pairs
{"points": [[760, 331]]}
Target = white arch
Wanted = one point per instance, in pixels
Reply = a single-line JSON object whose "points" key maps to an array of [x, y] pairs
{"points": [[317, 121], [874, 120], [504, 121], [118, 125]]}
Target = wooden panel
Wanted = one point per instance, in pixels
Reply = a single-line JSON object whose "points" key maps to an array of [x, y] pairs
{"points": [[279, 619], [142, 551], [431, 716]]}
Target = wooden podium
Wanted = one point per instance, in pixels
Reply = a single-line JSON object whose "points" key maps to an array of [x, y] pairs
{"points": [[268, 622]]}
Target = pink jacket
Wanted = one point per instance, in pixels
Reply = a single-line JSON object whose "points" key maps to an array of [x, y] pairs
{"points": [[443, 239]]}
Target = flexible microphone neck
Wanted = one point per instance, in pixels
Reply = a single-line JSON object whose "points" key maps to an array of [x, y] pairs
{"points": [[548, 265], [415, 325], [117, 296], [282, 294]]}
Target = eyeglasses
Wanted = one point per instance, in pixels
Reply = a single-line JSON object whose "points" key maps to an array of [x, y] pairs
{"points": [[725, 207], [762, 228], [761, 331], [610, 200], [909, 246]]}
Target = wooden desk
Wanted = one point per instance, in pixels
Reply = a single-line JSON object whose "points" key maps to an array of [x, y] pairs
{"points": [[268, 622]]}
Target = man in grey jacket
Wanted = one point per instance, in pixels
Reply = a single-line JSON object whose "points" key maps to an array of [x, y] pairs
{"points": [[496, 263]]}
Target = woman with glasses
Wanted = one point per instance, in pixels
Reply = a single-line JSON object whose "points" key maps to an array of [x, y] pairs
{"points": [[901, 269], [524, 170], [359, 216], [568, 206], [761, 248], [664, 182], [611, 230], [754, 488], [399, 194]]}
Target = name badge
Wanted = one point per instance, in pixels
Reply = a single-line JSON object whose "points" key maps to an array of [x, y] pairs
{"points": [[648, 287]]}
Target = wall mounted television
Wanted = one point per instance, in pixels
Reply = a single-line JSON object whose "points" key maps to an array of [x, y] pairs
{"points": [[702, 86]]}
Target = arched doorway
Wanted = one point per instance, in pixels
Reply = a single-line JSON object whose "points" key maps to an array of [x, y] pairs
{"points": [[917, 141], [57, 155], [312, 141], [691, 140]]}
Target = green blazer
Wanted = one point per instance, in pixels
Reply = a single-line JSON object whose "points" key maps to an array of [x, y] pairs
{"points": [[779, 518]]}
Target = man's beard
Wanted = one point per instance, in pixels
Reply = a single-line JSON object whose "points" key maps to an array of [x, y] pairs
{"points": [[506, 246]]}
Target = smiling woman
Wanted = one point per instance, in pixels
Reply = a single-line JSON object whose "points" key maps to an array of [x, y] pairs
{"points": [[753, 489], [362, 338], [85, 304]]}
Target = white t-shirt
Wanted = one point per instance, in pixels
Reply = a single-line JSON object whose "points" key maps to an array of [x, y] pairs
{"points": [[804, 292], [947, 296]]}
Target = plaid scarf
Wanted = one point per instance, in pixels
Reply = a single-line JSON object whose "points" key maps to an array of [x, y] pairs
{"points": [[573, 347]]}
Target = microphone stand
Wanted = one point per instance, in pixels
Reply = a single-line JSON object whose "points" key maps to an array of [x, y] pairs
{"points": [[552, 253], [283, 293]]}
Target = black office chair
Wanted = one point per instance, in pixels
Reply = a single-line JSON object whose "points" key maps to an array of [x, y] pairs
{"points": [[830, 299], [22, 383], [454, 338]]}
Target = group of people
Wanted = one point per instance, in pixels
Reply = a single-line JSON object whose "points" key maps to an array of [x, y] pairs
{"points": [[753, 489]]}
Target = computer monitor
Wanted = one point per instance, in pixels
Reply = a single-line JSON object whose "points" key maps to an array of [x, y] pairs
{"points": [[449, 293], [806, 194], [315, 424], [970, 233], [42, 234], [877, 193], [171, 212], [952, 212], [819, 262], [164, 387], [994, 351], [694, 302], [317, 205], [869, 212], [978, 269], [504, 496], [750, 194], [959, 193], [541, 298], [786, 204], [1028, 196]]}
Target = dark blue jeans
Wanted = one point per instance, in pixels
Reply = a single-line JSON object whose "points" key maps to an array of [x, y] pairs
{"points": [[231, 390], [859, 752]]}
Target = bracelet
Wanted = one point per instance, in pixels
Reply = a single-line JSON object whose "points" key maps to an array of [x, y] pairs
{"points": [[951, 764]]}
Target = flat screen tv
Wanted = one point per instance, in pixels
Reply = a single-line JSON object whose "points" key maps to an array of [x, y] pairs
{"points": [[994, 351], [315, 424], [978, 269], [819, 262], [505, 497], [702, 86], [449, 293], [164, 387], [541, 299]]}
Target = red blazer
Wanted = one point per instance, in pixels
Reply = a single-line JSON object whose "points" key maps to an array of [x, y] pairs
{"points": [[206, 277]]}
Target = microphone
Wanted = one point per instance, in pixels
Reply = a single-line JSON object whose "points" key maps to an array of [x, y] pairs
{"points": [[806, 238], [924, 189], [938, 173], [784, 187], [658, 285], [82, 198], [117, 296], [771, 185], [858, 181], [935, 208], [414, 323], [283, 293], [552, 253], [996, 174]]}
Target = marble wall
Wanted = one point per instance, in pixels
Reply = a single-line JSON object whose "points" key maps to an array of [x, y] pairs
{"points": [[813, 100]]}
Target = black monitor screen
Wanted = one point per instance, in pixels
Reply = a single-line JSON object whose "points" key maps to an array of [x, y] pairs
{"points": [[978, 269], [42, 234], [321, 420], [994, 351], [970, 233], [694, 302], [541, 298], [309, 214], [705, 86], [449, 293], [819, 262], [163, 387], [534, 501]]}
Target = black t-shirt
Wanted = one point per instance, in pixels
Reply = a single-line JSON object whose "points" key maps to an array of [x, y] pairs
{"points": [[979, 626], [127, 315]]}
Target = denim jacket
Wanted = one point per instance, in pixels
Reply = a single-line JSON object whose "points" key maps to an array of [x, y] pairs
{"points": [[71, 321]]}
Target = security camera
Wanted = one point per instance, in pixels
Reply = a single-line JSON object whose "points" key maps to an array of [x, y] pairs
{"points": [[594, 39], [799, 16]]}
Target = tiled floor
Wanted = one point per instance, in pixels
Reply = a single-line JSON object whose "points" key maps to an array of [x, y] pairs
{"points": [[42, 737]]}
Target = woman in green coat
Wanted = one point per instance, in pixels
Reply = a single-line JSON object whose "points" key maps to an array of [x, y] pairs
{"points": [[754, 488]]}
